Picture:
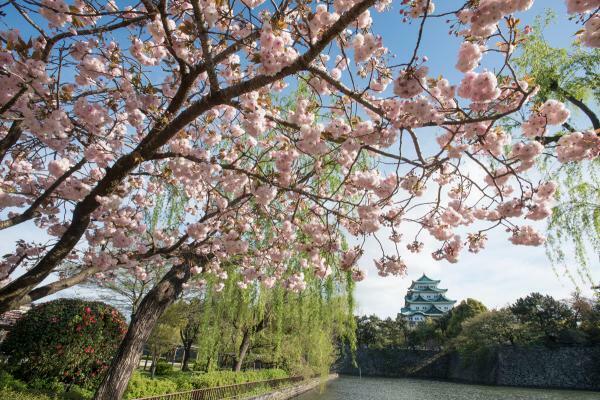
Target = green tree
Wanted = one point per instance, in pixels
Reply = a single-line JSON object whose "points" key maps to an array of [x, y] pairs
{"points": [[426, 334], [374, 332], [451, 323], [587, 315], [546, 316], [570, 75], [164, 336], [187, 319], [491, 328]]}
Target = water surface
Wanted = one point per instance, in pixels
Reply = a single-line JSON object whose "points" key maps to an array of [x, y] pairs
{"points": [[351, 388]]}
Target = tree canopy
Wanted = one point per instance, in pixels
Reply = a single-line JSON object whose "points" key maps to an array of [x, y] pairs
{"points": [[106, 108]]}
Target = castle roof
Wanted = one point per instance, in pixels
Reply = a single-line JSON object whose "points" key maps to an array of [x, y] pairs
{"points": [[420, 299], [424, 279], [430, 289], [430, 312]]}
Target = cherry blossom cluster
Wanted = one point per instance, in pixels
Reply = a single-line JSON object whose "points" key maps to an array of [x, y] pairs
{"points": [[578, 146], [526, 236], [390, 266], [484, 17], [142, 139], [469, 56], [411, 82], [275, 50], [552, 112], [479, 87]]}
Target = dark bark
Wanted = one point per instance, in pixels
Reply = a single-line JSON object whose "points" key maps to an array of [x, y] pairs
{"points": [[151, 308], [578, 103], [160, 134], [187, 352], [153, 366], [246, 340], [244, 346], [186, 357], [189, 334], [14, 133]]}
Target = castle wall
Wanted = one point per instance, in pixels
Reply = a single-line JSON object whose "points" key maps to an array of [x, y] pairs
{"points": [[535, 366]]}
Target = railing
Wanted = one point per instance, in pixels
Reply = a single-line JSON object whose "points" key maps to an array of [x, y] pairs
{"points": [[225, 392]]}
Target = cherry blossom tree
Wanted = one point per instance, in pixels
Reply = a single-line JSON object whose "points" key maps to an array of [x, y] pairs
{"points": [[105, 107]]}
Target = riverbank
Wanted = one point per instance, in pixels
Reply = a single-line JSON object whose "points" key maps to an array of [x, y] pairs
{"points": [[535, 366], [295, 390]]}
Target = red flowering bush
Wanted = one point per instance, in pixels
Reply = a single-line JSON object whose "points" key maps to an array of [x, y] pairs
{"points": [[66, 340]]}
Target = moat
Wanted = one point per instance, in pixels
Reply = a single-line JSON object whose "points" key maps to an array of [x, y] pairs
{"points": [[353, 388]]}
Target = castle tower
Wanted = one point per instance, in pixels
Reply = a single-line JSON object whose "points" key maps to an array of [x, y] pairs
{"points": [[425, 300]]}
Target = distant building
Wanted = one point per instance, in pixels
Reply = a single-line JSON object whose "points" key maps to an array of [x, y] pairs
{"points": [[425, 300]]}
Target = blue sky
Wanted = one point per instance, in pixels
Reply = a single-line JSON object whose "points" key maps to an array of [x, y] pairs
{"points": [[502, 272], [499, 274]]}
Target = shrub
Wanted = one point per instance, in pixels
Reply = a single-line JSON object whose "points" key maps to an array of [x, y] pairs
{"points": [[7, 381], [19, 395], [163, 368], [67, 340], [141, 385]]}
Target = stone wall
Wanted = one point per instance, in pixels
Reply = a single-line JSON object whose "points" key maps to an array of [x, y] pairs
{"points": [[563, 367], [293, 391]]}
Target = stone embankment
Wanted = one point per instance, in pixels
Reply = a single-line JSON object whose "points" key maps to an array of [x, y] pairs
{"points": [[539, 366], [295, 390]]}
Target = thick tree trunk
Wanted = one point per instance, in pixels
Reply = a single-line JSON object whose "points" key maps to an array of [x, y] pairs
{"points": [[151, 308], [243, 350], [187, 348]]}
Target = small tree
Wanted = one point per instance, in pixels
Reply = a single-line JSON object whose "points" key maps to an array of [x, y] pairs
{"points": [[164, 336], [451, 325], [69, 340]]}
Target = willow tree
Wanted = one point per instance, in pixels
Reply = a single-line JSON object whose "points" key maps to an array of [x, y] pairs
{"points": [[299, 332], [570, 75], [104, 107]]}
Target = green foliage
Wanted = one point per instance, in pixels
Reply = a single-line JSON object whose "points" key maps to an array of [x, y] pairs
{"points": [[374, 332], [489, 329], [7, 381], [12, 388], [20, 395], [141, 385], [587, 314], [570, 75], [426, 334], [546, 316], [163, 368], [574, 70], [534, 319], [69, 341], [298, 332], [451, 323], [574, 227]]}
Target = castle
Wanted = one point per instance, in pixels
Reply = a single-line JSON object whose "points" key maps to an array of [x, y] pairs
{"points": [[425, 300]]}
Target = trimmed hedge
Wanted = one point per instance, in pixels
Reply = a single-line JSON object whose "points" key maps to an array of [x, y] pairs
{"points": [[11, 388], [141, 385], [67, 340], [12, 395]]}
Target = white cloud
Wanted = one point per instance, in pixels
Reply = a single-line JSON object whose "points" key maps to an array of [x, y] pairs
{"points": [[496, 276]]}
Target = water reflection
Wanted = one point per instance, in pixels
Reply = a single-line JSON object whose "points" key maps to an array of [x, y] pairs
{"points": [[350, 388]]}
